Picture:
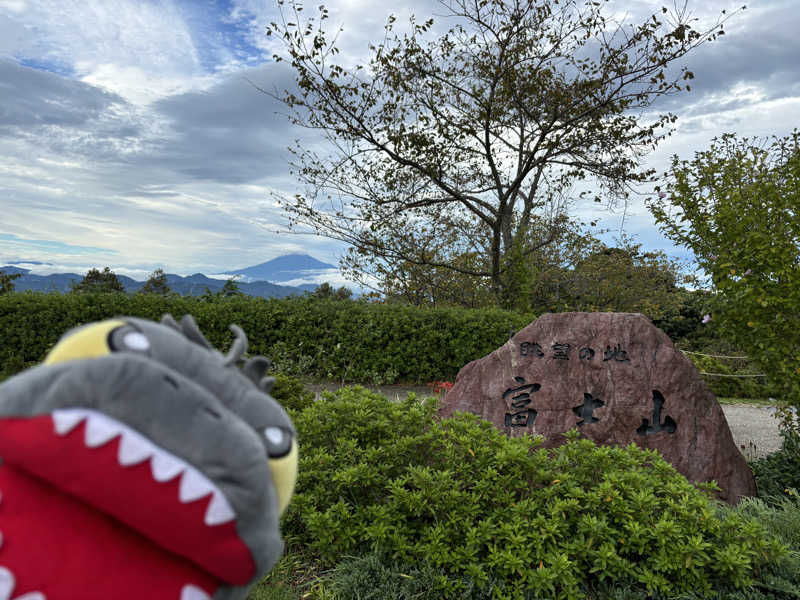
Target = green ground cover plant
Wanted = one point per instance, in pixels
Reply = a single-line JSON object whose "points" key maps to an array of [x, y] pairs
{"points": [[472, 512]]}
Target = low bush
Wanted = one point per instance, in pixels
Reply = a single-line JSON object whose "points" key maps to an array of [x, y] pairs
{"points": [[779, 472], [504, 516], [291, 394]]}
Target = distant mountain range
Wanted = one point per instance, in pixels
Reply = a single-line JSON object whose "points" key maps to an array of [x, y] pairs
{"points": [[257, 280]]}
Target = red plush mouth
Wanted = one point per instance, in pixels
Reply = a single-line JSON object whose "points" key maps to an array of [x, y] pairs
{"points": [[90, 504]]}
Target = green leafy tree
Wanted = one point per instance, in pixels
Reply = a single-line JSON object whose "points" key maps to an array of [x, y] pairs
{"points": [[230, 289], [326, 291], [7, 282], [98, 281], [427, 285], [156, 284], [477, 130], [625, 279], [736, 207]]}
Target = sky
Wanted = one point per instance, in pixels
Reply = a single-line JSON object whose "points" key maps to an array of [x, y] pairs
{"points": [[131, 136]]}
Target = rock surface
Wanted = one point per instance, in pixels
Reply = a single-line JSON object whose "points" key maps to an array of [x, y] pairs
{"points": [[616, 377]]}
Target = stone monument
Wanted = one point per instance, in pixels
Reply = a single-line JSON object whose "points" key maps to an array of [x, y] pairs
{"points": [[618, 379]]}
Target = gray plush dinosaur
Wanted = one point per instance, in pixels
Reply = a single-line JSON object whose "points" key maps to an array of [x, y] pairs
{"points": [[140, 463]]}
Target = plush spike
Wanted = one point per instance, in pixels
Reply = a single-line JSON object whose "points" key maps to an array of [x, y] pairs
{"points": [[255, 368], [169, 321], [192, 332]]}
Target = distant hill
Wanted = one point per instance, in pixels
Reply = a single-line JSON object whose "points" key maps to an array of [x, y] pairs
{"points": [[193, 285], [257, 280], [284, 268]]}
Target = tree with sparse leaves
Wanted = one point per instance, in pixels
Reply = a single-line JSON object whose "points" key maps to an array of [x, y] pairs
{"points": [[99, 281], [737, 207], [156, 284], [7, 282], [449, 146]]}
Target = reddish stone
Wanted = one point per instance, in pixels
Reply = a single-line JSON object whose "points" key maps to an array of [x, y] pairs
{"points": [[609, 371]]}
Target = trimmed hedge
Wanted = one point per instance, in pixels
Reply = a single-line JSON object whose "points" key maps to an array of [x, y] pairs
{"points": [[328, 339]]}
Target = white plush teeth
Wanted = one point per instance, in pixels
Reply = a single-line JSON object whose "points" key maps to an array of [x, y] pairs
{"points": [[100, 429], [165, 466], [66, 419], [193, 486], [134, 448], [218, 511], [7, 583], [32, 596], [192, 592]]}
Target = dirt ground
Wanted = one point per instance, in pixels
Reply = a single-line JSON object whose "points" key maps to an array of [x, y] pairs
{"points": [[754, 428]]}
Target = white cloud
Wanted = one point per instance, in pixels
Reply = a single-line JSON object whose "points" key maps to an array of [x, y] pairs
{"points": [[149, 145]]}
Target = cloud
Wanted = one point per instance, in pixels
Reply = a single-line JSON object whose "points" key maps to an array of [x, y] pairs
{"points": [[12, 243], [229, 133], [130, 128]]}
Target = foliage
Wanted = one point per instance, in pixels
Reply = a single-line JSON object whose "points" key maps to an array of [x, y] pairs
{"points": [[96, 281], [458, 495], [326, 291], [450, 147], [229, 290], [739, 384], [619, 279], [7, 282], [737, 211], [290, 393], [780, 516], [348, 341], [156, 284], [779, 472], [687, 324], [373, 577]]}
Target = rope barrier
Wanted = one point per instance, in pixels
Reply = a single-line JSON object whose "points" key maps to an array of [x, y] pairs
{"points": [[727, 375], [712, 355], [722, 374]]}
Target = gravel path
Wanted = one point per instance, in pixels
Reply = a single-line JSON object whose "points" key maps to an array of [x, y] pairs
{"points": [[754, 428], [754, 425]]}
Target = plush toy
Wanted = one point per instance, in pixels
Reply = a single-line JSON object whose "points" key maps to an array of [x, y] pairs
{"points": [[138, 463]]}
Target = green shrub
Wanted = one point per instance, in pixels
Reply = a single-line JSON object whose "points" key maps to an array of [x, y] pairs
{"points": [[778, 472], [291, 393], [377, 577], [377, 476], [780, 516]]}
